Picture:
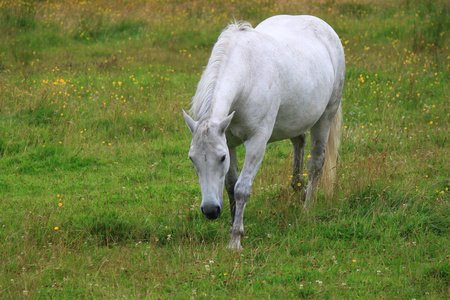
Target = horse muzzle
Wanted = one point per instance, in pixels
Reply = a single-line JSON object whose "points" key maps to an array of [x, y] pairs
{"points": [[211, 212]]}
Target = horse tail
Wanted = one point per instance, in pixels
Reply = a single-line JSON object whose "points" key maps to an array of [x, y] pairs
{"points": [[331, 155]]}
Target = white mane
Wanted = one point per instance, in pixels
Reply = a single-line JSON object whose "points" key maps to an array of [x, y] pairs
{"points": [[201, 102]]}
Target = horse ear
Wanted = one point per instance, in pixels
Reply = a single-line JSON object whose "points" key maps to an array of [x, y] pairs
{"points": [[189, 122], [225, 123]]}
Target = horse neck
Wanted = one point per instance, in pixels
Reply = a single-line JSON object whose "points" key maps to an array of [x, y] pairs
{"points": [[217, 102], [220, 83], [218, 111], [220, 108]]}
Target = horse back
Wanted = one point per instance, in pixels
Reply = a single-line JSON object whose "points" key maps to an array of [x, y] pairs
{"points": [[305, 32], [293, 67]]}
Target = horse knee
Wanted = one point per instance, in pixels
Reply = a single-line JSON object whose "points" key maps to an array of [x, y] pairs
{"points": [[297, 182], [315, 163], [242, 192], [229, 186]]}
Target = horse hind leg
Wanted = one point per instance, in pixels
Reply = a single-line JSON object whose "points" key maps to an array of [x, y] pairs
{"points": [[319, 138], [298, 143]]}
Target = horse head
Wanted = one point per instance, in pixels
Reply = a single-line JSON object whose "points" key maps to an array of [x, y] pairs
{"points": [[210, 156]]}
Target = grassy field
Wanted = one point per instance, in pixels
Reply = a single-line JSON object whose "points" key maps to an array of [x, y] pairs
{"points": [[99, 200]]}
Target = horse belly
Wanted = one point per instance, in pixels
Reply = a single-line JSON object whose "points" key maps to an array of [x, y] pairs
{"points": [[304, 92], [294, 121], [302, 104]]}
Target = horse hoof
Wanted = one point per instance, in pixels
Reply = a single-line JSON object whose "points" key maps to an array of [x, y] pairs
{"points": [[235, 247]]}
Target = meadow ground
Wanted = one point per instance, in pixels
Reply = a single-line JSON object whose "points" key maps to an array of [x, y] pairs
{"points": [[99, 200]]}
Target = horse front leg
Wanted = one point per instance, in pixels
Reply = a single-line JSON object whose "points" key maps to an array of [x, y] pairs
{"points": [[254, 154], [230, 182]]}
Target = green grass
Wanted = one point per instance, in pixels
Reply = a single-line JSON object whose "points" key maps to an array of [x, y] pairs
{"points": [[99, 200]]}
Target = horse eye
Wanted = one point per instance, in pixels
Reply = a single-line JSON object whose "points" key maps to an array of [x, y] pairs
{"points": [[223, 158]]}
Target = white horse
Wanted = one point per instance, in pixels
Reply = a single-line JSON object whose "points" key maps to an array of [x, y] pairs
{"points": [[262, 85]]}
